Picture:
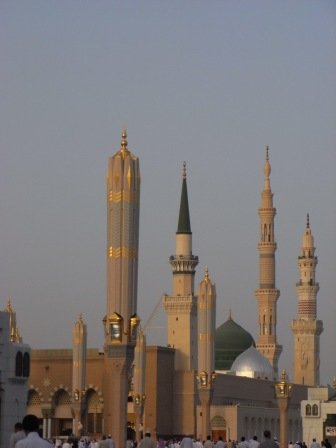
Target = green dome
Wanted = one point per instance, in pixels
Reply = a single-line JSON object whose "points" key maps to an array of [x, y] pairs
{"points": [[230, 341]]}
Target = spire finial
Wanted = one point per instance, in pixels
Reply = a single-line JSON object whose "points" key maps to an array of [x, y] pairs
{"points": [[206, 273], [284, 376], [308, 225], [230, 314], [124, 139], [184, 171], [9, 308], [267, 166]]}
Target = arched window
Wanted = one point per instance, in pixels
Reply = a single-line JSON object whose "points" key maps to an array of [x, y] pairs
{"points": [[18, 364], [315, 409], [308, 409], [26, 365]]}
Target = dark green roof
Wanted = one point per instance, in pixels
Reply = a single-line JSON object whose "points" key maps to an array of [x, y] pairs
{"points": [[184, 218], [230, 341]]}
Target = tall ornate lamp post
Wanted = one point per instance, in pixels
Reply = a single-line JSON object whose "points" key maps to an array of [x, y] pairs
{"points": [[205, 389], [139, 378], [206, 362], [283, 391]]}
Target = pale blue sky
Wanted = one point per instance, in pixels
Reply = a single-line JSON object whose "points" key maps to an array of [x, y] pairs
{"points": [[207, 82]]}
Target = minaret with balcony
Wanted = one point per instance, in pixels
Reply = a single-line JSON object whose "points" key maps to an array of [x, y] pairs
{"points": [[181, 306], [306, 328], [267, 294], [181, 309]]}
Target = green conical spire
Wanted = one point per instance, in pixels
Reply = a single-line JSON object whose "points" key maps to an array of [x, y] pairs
{"points": [[184, 218]]}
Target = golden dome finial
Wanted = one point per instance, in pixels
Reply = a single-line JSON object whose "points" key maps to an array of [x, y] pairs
{"points": [[308, 225], [206, 274], [9, 308], [124, 139], [284, 376], [184, 171]]}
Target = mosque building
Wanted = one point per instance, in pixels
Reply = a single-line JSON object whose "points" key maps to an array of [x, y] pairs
{"points": [[206, 380]]}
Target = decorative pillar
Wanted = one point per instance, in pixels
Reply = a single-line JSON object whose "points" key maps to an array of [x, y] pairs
{"points": [[79, 338], [44, 430], [139, 377], [49, 428], [120, 322], [283, 391], [206, 361]]}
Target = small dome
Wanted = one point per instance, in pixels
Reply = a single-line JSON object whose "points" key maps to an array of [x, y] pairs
{"points": [[253, 364], [230, 341]]}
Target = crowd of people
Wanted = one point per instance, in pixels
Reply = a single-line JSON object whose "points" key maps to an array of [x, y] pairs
{"points": [[26, 435]]}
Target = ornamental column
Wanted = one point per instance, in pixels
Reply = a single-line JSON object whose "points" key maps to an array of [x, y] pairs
{"points": [[79, 346], [120, 322], [139, 380], [206, 357], [283, 391]]}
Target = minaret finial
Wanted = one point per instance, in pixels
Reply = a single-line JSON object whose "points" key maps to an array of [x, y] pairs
{"points": [[206, 273], [124, 139], [284, 376], [9, 308], [184, 218], [308, 226], [267, 169]]}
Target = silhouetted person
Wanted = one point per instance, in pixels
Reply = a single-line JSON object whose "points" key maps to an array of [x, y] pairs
{"points": [[17, 435], [30, 425], [268, 442]]}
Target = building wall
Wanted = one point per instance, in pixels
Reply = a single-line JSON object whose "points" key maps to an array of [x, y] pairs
{"points": [[13, 387], [319, 412]]}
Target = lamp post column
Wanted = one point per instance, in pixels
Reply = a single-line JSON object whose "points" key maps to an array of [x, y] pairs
{"points": [[283, 391]]}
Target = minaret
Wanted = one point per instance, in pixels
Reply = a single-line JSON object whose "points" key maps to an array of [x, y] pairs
{"points": [[206, 349], [79, 338], [181, 306], [120, 322], [267, 294], [306, 328]]}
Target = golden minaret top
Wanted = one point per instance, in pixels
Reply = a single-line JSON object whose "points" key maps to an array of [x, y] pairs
{"points": [[206, 274], [124, 144]]}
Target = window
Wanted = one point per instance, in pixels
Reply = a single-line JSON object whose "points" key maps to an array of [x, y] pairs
{"points": [[315, 409], [26, 365], [18, 364], [308, 409]]}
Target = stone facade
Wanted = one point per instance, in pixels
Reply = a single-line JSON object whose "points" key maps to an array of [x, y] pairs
{"points": [[14, 373]]}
